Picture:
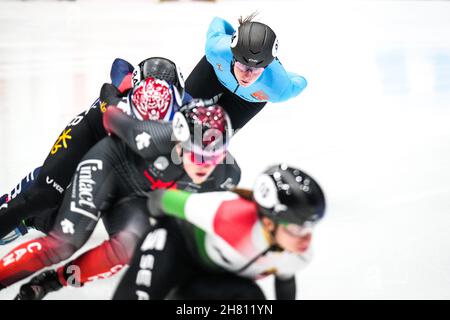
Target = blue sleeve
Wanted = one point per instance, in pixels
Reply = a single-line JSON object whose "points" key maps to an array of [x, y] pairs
{"points": [[283, 84], [219, 27], [218, 39], [119, 70], [296, 84]]}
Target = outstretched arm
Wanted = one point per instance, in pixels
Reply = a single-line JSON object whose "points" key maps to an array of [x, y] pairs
{"points": [[290, 84], [218, 38], [200, 209], [219, 27], [146, 138]]}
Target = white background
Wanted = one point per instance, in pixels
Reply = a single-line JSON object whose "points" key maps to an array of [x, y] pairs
{"points": [[372, 126]]}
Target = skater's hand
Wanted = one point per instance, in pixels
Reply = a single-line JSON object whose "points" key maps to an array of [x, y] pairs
{"points": [[39, 286], [109, 95]]}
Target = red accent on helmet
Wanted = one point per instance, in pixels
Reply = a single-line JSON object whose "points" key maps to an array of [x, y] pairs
{"points": [[200, 159], [152, 98]]}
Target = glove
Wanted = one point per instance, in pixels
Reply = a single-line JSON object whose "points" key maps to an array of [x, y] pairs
{"points": [[110, 95], [39, 286], [154, 203]]}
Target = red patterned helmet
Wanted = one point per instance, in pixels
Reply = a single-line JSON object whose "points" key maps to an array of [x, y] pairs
{"points": [[152, 98]]}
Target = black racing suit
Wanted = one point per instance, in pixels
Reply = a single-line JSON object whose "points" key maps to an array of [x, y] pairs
{"points": [[139, 159], [44, 196], [165, 267], [39, 202]]}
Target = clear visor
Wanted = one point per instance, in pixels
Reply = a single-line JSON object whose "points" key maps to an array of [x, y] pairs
{"points": [[242, 67], [210, 159], [299, 230], [178, 86]]}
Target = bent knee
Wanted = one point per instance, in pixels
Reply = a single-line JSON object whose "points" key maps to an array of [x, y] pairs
{"points": [[122, 246], [59, 249]]}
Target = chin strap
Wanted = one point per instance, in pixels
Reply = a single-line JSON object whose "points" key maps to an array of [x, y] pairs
{"points": [[273, 247]]}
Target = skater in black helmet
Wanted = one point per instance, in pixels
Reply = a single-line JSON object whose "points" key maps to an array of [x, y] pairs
{"points": [[241, 69], [247, 236], [139, 157], [157, 94]]}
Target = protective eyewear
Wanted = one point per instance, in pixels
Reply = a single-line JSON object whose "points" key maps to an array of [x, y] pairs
{"points": [[242, 67]]}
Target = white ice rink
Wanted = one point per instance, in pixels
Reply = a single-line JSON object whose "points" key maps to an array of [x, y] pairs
{"points": [[373, 125]]}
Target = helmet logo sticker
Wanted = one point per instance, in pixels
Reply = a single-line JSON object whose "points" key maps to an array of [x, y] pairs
{"points": [[136, 76], [143, 140], [67, 226], [265, 192], [234, 39], [180, 77], [179, 89], [180, 127], [178, 97], [152, 98], [275, 48], [161, 163]]}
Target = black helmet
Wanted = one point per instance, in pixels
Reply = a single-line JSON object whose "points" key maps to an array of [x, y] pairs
{"points": [[286, 194], [163, 69], [254, 44]]}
